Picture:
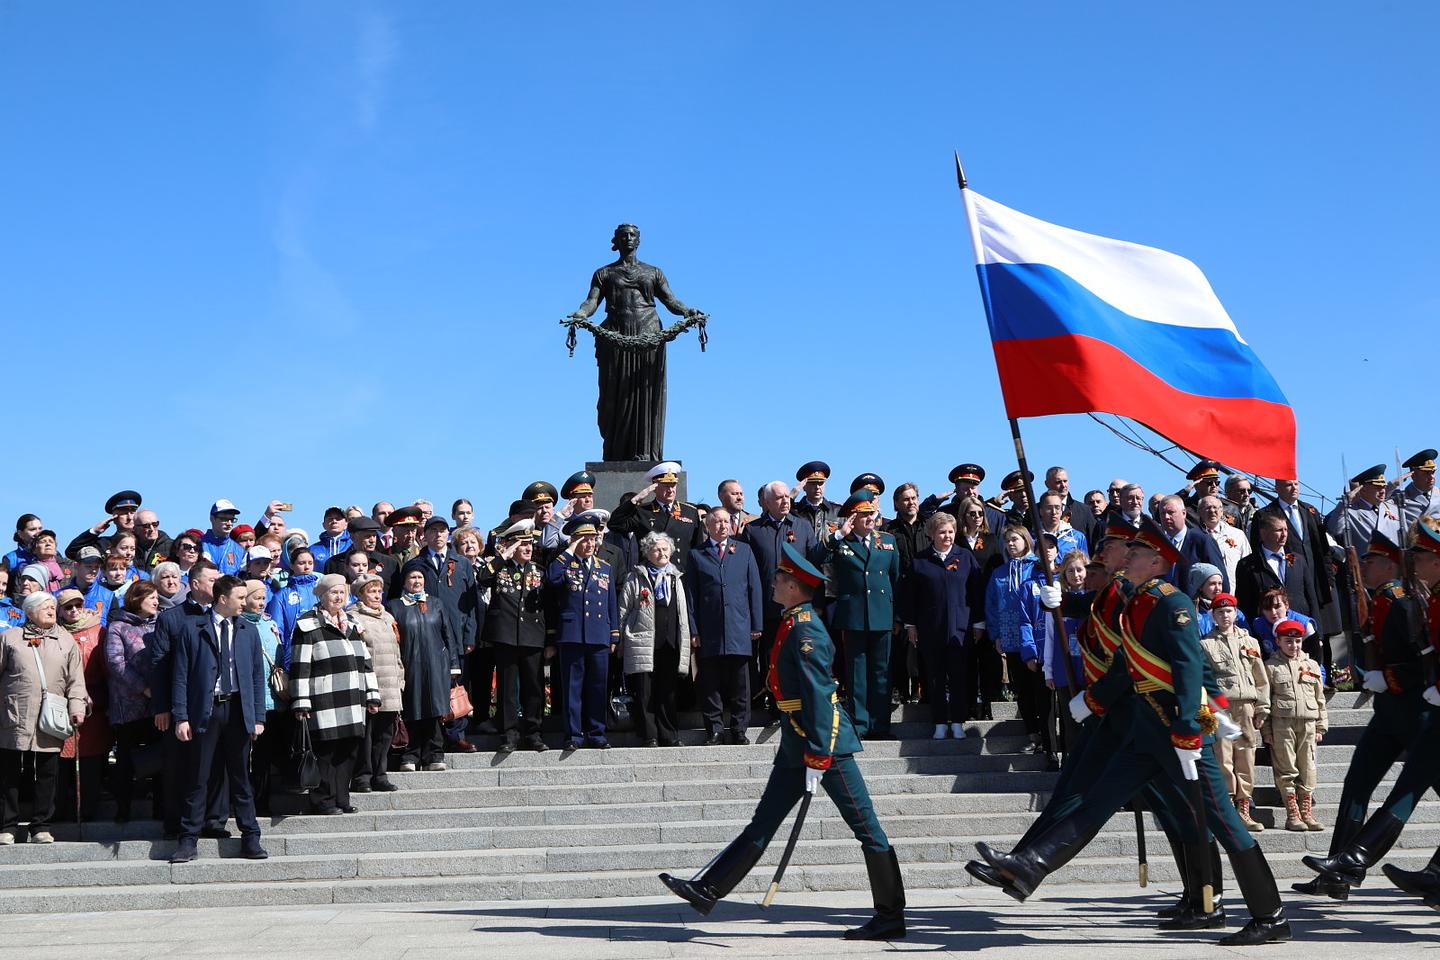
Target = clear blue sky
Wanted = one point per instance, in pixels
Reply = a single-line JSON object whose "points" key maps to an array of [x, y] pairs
{"points": [[318, 251]]}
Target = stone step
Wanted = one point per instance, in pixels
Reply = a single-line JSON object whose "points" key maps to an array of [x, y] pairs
{"points": [[542, 887]]}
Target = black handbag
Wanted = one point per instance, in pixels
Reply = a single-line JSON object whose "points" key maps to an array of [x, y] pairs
{"points": [[304, 767], [148, 760]]}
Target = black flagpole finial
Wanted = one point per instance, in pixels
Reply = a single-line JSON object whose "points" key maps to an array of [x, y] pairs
{"points": [[960, 172]]}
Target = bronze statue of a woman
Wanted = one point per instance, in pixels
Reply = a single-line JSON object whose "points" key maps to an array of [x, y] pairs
{"points": [[631, 408]]}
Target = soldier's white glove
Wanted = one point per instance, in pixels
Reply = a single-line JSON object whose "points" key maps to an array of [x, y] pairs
{"points": [[1432, 696], [1228, 729], [1375, 682], [1188, 763], [1079, 709], [1050, 595], [813, 778]]}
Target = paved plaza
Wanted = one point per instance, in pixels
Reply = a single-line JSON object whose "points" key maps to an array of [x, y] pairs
{"points": [[1089, 920]]}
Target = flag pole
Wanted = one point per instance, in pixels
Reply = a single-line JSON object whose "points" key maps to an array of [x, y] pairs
{"points": [[1045, 564]]}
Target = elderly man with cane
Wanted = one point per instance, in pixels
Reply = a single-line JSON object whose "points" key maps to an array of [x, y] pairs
{"points": [[817, 746]]}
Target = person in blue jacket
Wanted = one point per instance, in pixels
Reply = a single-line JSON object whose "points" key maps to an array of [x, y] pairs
{"points": [[27, 527], [297, 597], [1004, 617], [583, 624], [224, 552], [335, 539], [11, 613]]}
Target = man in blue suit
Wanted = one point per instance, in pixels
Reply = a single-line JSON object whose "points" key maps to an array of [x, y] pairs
{"points": [[766, 535], [1195, 546], [217, 694], [722, 584]]}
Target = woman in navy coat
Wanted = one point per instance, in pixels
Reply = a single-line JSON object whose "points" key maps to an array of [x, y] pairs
{"points": [[935, 608]]}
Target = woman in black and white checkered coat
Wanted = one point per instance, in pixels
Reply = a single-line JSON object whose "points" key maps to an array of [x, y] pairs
{"points": [[332, 686]]}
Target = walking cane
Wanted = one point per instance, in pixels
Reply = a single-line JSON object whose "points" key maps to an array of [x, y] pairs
{"points": [[789, 848]]}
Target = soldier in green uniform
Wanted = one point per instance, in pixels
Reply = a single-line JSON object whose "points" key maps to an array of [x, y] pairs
{"points": [[1103, 731], [1161, 659], [1409, 649], [864, 569], [817, 746]]}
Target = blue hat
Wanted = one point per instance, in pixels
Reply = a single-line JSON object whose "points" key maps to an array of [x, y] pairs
{"points": [[968, 473], [578, 484], [793, 562], [871, 480], [581, 525], [861, 501], [814, 470], [125, 499]]}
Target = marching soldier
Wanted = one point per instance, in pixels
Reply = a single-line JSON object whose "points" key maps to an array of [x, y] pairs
{"points": [[664, 513], [865, 572], [1420, 498], [1163, 665], [1410, 670], [817, 747]]}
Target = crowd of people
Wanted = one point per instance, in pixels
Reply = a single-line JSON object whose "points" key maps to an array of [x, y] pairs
{"points": [[194, 668]]}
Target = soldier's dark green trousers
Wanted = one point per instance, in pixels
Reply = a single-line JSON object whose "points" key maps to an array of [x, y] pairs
{"points": [[842, 782], [1394, 725]]}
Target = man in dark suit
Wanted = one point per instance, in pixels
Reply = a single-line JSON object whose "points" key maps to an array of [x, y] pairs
{"points": [[450, 577], [1273, 564], [217, 703], [1195, 546], [1306, 539], [766, 535], [159, 650], [722, 586]]}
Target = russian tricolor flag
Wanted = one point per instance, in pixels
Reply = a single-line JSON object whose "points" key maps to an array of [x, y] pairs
{"points": [[1085, 324]]}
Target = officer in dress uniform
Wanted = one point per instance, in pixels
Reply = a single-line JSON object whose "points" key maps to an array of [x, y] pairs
{"points": [[664, 513], [583, 622], [1367, 511], [823, 514], [1407, 716], [1420, 498], [404, 527], [966, 479], [1204, 482], [519, 510], [1014, 490], [817, 746], [1162, 663], [515, 631], [549, 529], [873, 483], [120, 510], [865, 569]]}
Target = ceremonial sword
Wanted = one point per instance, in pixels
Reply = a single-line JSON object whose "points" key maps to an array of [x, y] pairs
{"points": [[789, 848]]}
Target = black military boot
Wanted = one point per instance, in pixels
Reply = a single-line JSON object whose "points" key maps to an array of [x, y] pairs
{"points": [[1421, 883], [887, 889], [1370, 845], [1052, 849], [1177, 850], [1323, 886], [1257, 885], [719, 878], [1191, 914]]}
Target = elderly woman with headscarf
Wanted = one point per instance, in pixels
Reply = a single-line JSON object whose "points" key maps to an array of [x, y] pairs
{"points": [[89, 748], [332, 688], [128, 679], [655, 628], [431, 656], [40, 648], [382, 639]]}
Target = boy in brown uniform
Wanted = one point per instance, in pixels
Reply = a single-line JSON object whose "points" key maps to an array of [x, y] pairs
{"points": [[1240, 671], [1294, 723]]}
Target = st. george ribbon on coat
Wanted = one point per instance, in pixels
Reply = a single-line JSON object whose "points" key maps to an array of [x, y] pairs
{"points": [[1086, 324]]}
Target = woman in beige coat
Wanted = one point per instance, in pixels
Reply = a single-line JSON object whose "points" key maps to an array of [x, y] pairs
{"points": [[382, 639], [20, 695], [655, 629]]}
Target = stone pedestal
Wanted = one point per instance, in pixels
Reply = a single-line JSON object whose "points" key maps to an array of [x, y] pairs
{"points": [[612, 478]]}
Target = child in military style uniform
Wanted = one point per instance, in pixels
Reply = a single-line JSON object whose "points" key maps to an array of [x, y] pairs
{"points": [[1293, 722], [1241, 674]]}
